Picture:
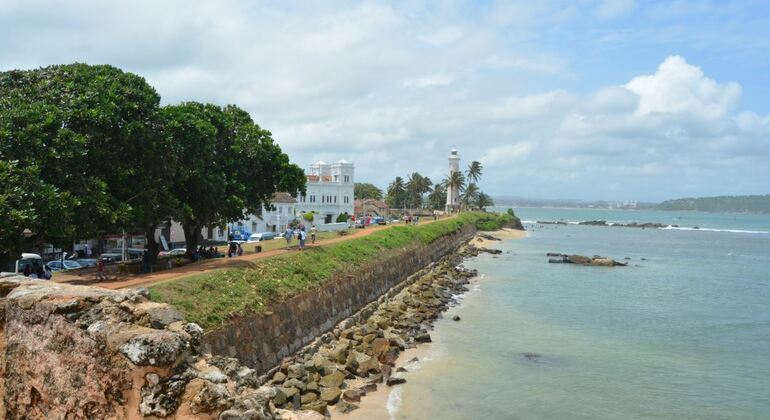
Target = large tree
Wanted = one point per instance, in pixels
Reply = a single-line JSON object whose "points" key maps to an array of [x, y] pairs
{"points": [[89, 133], [469, 195], [228, 166], [366, 191], [437, 197], [483, 200]]}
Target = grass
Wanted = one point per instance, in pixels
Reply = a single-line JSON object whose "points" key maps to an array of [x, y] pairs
{"points": [[280, 243], [209, 298]]}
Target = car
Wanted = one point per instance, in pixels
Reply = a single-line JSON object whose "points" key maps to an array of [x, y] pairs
{"points": [[259, 237], [133, 253], [59, 265], [176, 252], [87, 262], [17, 267], [378, 220]]}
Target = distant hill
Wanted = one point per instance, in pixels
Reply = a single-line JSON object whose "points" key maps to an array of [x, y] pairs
{"points": [[732, 204]]}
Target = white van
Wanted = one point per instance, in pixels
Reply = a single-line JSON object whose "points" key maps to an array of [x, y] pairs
{"points": [[17, 267]]}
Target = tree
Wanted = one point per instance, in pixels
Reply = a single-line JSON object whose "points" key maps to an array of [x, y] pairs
{"points": [[437, 197], [89, 134], [228, 166], [416, 186], [483, 200], [469, 196], [396, 197], [366, 191], [456, 181], [473, 174]]}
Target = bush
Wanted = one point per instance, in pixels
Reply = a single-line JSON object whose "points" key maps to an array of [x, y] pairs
{"points": [[342, 218], [511, 213], [308, 216]]}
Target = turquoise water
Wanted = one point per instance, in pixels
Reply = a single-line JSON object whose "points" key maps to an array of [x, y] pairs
{"points": [[682, 334]]}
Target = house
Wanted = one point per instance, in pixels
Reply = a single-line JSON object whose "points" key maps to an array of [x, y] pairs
{"points": [[283, 211], [329, 191], [371, 207]]}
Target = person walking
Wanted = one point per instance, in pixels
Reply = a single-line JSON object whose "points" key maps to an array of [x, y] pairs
{"points": [[100, 270], [313, 232], [287, 235], [240, 250], [302, 235]]}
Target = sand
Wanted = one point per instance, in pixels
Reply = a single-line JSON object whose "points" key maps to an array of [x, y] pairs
{"points": [[503, 234]]}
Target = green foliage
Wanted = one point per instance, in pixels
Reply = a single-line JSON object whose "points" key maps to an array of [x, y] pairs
{"points": [[734, 204], [308, 216], [510, 212], [209, 298], [474, 172], [366, 191], [342, 218], [397, 195], [437, 197]]}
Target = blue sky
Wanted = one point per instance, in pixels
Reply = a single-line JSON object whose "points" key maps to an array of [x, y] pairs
{"points": [[594, 99]]}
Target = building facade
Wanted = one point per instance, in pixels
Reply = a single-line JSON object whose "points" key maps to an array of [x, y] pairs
{"points": [[329, 191], [453, 193]]}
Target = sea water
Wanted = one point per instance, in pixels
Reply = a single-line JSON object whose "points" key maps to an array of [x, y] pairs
{"points": [[682, 332]]}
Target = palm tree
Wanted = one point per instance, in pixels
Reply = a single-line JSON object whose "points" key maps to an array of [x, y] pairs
{"points": [[469, 196], [484, 200], [474, 172], [396, 193], [455, 181], [416, 186], [437, 197]]}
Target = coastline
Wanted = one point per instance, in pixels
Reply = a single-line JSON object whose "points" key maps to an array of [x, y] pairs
{"points": [[374, 405]]}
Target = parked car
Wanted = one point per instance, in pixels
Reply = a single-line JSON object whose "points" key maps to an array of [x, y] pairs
{"points": [[59, 265], [259, 237], [133, 253], [378, 220], [87, 262], [176, 252]]}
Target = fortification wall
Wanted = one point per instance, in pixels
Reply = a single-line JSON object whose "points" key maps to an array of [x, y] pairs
{"points": [[261, 340]]}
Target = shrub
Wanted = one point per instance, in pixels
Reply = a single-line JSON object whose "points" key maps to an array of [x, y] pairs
{"points": [[308, 217], [342, 218]]}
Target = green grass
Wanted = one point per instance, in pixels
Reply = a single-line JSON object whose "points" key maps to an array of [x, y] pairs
{"points": [[208, 298]]}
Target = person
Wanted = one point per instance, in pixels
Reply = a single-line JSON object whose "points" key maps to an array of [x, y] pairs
{"points": [[47, 274], [302, 236], [100, 270], [313, 231], [38, 271], [27, 270], [240, 250], [232, 250], [287, 235]]}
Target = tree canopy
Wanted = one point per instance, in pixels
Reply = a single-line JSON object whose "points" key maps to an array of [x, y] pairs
{"points": [[366, 191], [87, 149]]}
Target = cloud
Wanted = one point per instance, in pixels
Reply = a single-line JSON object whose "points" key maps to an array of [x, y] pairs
{"points": [[506, 154], [428, 81], [678, 87], [611, 9]]}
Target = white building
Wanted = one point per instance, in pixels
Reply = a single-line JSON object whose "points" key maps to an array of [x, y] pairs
{"points": [[273, 220], [453, 193], [329, 191]]}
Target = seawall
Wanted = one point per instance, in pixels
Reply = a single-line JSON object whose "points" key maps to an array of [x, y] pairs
{"points": [[261, 340]]}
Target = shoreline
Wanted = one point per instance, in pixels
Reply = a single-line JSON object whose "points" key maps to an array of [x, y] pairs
{"points": [[374, 405]]}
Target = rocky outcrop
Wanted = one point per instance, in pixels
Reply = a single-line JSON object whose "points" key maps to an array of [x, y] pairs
{"points": [[80, 352], [596, 260]]}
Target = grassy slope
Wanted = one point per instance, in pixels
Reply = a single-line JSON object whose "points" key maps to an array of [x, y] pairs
{"points": [[208, 298]]}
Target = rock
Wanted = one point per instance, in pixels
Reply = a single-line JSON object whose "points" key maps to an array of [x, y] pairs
{"points": [[284, 395], [456, 318], [333, 380], [531, 356], [395, 380], [304, 414], [154, 348], [318, 406], [211, 397], [308, 397], [346, 407], [279, 377], [353, 394], [380, 346], [158, 315], [295, 383], [423, 338], [296, 371], [330, 395], [401, 369], [312, 387]]}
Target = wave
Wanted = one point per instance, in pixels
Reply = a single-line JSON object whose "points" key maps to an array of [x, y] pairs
{"points": [[394, 402], [716, 230]]}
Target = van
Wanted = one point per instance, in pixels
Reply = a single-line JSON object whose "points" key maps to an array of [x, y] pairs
{"points": [[259, 237], [17, 267]]}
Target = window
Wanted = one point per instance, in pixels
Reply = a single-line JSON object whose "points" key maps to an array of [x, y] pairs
{"points": [[312, 199], [323, 198], [347, 178], [335, 199], [253, 227]]}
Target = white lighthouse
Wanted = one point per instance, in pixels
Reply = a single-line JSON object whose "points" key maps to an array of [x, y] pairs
{"points": [[453, 193]]}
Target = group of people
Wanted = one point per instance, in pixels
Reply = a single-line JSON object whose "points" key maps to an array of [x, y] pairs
{"points": [[301, 235], [37, 271], [411, 220], [234, 250]]}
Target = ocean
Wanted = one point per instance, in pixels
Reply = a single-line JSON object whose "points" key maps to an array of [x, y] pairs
{"points": [[682, 332]]}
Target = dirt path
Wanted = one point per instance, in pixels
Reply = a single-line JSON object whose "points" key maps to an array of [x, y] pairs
{"points": [[205, 266]]}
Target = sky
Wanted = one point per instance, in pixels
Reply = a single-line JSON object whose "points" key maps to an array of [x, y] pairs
{"points": [[587, 99]]}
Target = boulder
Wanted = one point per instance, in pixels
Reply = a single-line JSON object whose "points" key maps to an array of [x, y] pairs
{"points": [[330, 395], [345, 407], [395, 380], [210, 398], [296, 371], [333, 380], [353, 394]]}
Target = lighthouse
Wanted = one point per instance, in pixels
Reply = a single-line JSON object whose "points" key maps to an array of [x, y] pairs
{"points": [[452, 192]]}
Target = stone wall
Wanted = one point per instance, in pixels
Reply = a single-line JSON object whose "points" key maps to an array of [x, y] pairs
{"points": [[261, 340]]}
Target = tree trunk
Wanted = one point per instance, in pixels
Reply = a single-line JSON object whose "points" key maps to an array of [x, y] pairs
{"points": [[153, 248], [191, 235]]}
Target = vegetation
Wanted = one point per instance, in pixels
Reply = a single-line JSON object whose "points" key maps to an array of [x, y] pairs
{"points": [[342, 218], [735, 204], [209, 298], [397, 193], [366, 191], [87, 149]]}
